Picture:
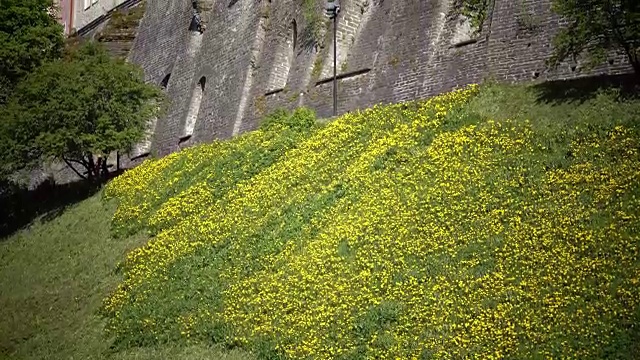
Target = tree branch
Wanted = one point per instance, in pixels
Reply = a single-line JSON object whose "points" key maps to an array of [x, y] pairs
{"points": [[72, 168], [622, 40], [81, 162]]}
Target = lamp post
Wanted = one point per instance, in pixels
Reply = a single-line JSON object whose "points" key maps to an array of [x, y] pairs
{"points": [[332, 9]]}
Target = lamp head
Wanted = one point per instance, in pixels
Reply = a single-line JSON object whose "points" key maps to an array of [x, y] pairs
{"points": [[332, 8]]}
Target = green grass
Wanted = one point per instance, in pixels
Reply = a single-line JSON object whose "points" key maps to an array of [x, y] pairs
{"points": [[502, 225], [53, 278], [499, 223]]}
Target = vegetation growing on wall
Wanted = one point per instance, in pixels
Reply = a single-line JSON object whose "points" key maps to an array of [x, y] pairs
{"points": [[206, 5], [314, 22], [123, 24], [317, 67], [475, 10], [472, 225], [260, 105]]}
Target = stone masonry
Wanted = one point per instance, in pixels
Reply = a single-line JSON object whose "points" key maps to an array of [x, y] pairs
{"points": [[254, 58]]}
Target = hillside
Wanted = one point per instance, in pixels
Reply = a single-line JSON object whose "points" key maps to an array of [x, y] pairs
{"points": [[490, 222], [53, 277], [450, 227]]}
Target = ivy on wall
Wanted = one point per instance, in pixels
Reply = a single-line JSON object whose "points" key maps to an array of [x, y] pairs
{"points": [[314, 20], [475, 10]]}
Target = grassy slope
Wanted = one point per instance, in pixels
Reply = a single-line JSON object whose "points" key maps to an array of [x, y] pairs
{"points": [[401, 232], [53, 278]]}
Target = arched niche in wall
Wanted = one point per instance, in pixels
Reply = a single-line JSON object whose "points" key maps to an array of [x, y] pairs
{"points": [[144, 147], [194, 108], [283, 59], [256, 50], [165, 82], [196, 30], [195, 42], [294, 34], [196, 24]]}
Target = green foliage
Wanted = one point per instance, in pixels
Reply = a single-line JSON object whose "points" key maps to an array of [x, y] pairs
{"points": [[394, 61], [52, 313], [301, 118], [123, 24], [215, 168], [294, 97], [6, 86], [317, 67], [72, 109], [528, 23], [273, 118], [260, 105], [314, 22], [476, 11], [29, 35], [5, 145], [596, 28]]}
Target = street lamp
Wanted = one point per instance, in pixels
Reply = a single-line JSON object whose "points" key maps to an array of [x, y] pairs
{"points": [[332, 9]]}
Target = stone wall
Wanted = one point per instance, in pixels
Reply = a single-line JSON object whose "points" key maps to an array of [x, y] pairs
{"points": [[255, 58], [83, 15]]}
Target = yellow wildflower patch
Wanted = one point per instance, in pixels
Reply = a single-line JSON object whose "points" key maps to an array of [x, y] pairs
{"points": [[404, 231]]}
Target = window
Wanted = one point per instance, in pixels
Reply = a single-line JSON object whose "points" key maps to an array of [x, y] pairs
{"points": [[87, 4], [285, 52], [141, 150]]}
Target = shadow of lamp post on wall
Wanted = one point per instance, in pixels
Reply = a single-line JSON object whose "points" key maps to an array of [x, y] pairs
{"points": [[332, 8]]}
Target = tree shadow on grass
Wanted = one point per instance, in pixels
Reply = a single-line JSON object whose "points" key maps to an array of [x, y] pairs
{"points": [[20, 206], [582, 89]]}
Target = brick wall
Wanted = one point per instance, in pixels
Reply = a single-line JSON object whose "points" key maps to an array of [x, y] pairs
{"points": [[388, 51]]}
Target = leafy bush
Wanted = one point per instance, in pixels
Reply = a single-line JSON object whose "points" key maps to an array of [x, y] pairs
{"points": [[302, 118]]}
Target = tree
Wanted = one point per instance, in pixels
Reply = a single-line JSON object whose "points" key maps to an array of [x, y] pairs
{"points": [[597, 27], [87, 104], [29, 35]]}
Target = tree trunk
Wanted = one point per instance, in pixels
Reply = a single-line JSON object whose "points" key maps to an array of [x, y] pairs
{"points": [[74, 169], [636, 68], [92, 167], [104, 169], [634, 59]]}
